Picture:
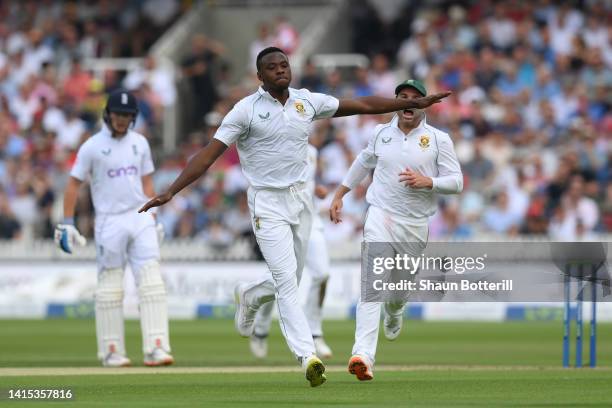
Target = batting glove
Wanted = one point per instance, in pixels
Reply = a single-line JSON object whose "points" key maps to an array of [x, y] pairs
{"points": [[66, 236]]}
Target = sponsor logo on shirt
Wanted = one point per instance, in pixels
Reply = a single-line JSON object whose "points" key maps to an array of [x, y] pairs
{"points": [[386, 140], [264, 117], [106, 152], [299, 107], [122, 171], [135, 150], [424, 142]]}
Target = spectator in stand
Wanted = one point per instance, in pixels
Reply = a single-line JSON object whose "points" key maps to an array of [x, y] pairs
{"points": [[334, 85], [73, 131], [264, 39], [381, 78], [10, 228], [606, 208], [77, 83], [479, 170], [361, 86], [198, 69], [500, 218], [577, 215], [158, 78], [311, 78], [286, 36]]}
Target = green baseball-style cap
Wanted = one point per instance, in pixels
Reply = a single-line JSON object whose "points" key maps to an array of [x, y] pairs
{"points": [[413, 83]]}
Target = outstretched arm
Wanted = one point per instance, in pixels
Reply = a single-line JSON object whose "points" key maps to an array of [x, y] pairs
{"points": [[377, 104], [196, 167]]}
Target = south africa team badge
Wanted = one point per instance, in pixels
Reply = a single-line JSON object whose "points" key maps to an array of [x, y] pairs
{"points": [[299, 107], [424, 142]]}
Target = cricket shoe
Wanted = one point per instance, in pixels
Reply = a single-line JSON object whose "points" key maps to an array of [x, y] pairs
{"points": [[116, 360], [360, 367], [321, 347], [259, 345], [393, 324], [315, 371], [158, 357], [245, 313]]}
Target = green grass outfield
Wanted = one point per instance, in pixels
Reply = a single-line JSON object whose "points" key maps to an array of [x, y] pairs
{"points": [[431, 364]]}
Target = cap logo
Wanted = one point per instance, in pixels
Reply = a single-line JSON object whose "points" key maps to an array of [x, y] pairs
{"points": [[124, 99]]}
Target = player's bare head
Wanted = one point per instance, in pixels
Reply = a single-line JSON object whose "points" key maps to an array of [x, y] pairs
{"points": [[410, 89], [273, 68]]}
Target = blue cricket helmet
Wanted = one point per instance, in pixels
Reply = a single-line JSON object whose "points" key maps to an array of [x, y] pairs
{"points": [[120, 101]]}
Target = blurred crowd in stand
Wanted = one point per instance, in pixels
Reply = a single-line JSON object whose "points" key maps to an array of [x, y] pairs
{"points": [[529, 115], [52, 97]]}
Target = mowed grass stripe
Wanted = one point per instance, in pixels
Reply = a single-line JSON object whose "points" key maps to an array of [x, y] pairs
{"points": [[214, 343], [429, 388]]}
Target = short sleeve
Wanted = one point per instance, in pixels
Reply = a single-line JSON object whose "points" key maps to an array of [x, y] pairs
{"points": [[325, 106], [83, 163], [147, 166], [234, 125]]}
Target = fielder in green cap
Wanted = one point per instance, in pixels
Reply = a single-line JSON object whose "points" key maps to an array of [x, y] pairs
{"points": [[412, 83], [413, 162]]}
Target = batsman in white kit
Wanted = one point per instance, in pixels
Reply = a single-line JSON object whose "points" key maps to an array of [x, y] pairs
{"points": [[317, 265], [271, 129], [117, 162], [412, 163]]}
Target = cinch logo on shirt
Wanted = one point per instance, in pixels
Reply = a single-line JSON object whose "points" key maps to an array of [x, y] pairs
{"points": [[122, 171]]}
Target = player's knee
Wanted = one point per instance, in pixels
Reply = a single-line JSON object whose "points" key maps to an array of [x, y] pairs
{"points": [[110, 286], [319, 278], [150, 282]]}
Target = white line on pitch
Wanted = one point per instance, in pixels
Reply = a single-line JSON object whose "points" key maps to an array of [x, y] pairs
{"points": [[75, 371]]}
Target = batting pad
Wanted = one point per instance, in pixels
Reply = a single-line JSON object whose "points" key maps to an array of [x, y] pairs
{"points": [[153, 309], [109, 312]]}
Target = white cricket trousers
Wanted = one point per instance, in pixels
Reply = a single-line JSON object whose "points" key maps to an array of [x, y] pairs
{"points": [[380, 226], [282, 221], [317, 265]]}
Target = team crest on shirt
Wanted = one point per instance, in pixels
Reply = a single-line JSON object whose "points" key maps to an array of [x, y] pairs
{"points": [[257, 223], [135, 150], [299, 107], [424, 142]]}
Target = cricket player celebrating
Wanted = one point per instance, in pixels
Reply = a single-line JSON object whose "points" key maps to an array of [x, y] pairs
{"points": [[118, 163], [271, 128], [412, 161], [317, 263]]}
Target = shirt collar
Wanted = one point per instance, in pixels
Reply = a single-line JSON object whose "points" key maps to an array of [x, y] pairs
{"points": [[266, 94], [421, 126], [107, 133]]}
